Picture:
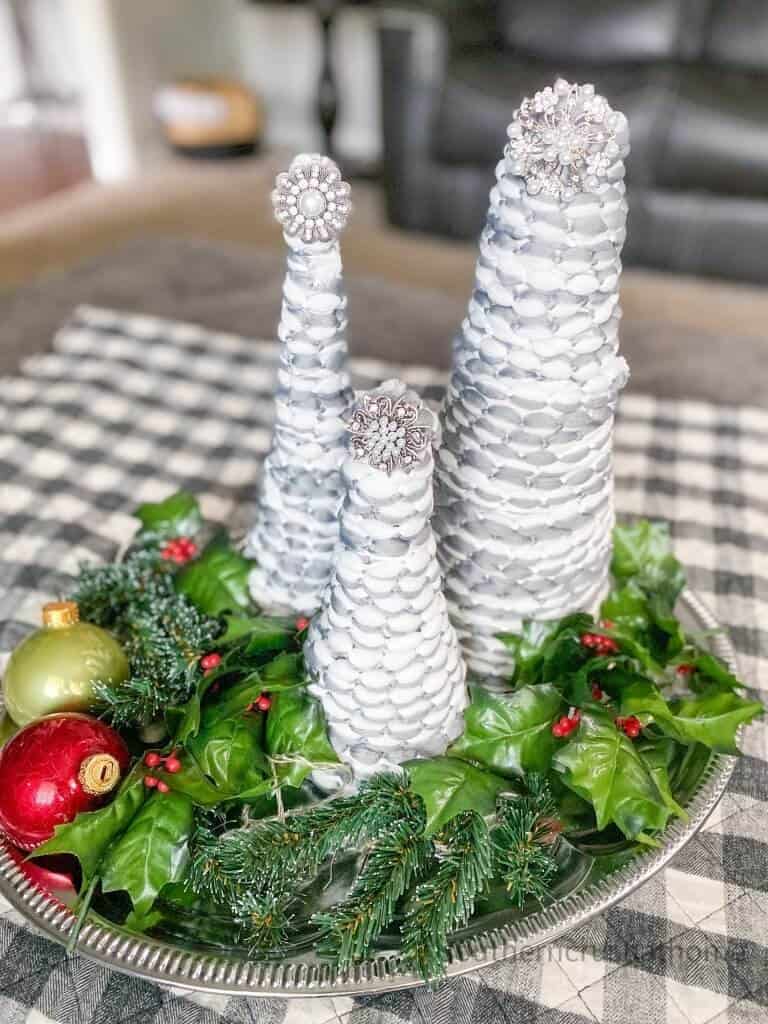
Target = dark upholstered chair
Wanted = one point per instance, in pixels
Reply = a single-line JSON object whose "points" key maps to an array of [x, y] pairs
{"points": [[691, 76]]}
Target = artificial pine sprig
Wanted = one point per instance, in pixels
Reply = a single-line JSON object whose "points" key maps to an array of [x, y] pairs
{"points": [[275, 854], [263, 921], [397, 859], [523, 842], [445, 900], [162, 632]]}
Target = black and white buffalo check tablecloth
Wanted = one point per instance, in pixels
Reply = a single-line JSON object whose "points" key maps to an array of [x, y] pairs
{"points": [[129, 408]]}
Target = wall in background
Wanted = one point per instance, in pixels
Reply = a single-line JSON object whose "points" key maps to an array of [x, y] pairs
{"points": [[280, 57], [124, 49]]}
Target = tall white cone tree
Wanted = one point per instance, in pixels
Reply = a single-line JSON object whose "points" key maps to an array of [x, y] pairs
{"points": [[296, 527], [524, 486], [382, 655]]}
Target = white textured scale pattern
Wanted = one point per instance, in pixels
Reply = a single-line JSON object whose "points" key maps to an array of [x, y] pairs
{"points": [[524, 486], [382, 655], [297, 527]]}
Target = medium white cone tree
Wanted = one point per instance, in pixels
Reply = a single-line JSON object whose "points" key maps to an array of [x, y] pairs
{"points": [[524, 487], [382, 655], [296, 527]]}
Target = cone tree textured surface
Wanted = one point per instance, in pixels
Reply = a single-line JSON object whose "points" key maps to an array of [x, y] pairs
{"points": [[524, 498], [382, 655], [296, 526]]}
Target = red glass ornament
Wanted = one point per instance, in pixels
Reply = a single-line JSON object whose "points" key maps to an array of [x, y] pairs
{"points": [[52, 770], [58, 874]]}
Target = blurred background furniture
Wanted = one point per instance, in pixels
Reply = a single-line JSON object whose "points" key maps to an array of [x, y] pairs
{"points": [[691, 76]]}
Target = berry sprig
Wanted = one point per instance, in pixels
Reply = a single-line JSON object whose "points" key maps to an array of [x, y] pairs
{"points": [[598, 643], [179, 550], [170, 763], [566, 724], [210, 661]]}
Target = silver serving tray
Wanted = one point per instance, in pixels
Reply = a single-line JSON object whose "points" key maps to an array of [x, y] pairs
{"points": [[494, 935]]}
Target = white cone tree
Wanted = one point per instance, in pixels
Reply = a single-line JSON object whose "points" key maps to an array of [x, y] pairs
{"points": [[524, 488], [296, 526], [382, 655]]}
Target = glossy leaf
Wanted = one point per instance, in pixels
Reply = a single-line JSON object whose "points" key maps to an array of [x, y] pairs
{"points": [[548, 652], [712, 718], [643, 551], [258, 633], [657, 753], [177, 516], [217, 581], [91, 833], [152, 852], [602, 765], [448, 786], [713, 669], [296, 736], [512, 734], [228, 751]]}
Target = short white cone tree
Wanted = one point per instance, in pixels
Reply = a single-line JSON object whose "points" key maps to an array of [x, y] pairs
{"points": [[296, 527], [524, 486], [382, 655]]}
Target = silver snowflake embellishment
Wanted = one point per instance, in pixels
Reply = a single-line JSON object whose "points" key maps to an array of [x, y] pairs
{"points": [[563, 140], [385, 432], [310, 199]]}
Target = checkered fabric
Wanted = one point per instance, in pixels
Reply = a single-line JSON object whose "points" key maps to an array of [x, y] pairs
{"points": [[129, 408]]}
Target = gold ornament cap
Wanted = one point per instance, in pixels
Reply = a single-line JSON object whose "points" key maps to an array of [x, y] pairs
{"points": [[59, 614], [99, 774]]}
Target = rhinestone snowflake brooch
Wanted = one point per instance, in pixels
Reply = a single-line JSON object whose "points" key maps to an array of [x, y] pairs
{"points": [[386, 434], [564, 140], [310, 199]]}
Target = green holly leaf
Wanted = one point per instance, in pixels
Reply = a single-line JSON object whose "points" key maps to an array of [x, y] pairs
{"points": [[712, 718], [258, 634], [296, 736], [658, 754], [642, 551], [152, 852], [217, 581], [642, 697], [714, 670], [627, 607], [602, 765], [548, 651], [449, 786], [177, 516], [512, 734], [228, 751], [88, 836]]}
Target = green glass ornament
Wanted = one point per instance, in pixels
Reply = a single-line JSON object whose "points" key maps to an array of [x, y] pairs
{"points": [[54, 668]]}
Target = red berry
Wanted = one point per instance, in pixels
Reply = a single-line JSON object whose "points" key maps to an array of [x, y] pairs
{"points": [[172, 765], [607, 645], [597, 693], [589, 640], [301, 624], [607, 624], [632, 727], [210, 661], [150, 781], [162, 787], [152, 759], [264, 703], [179, 550], [685, 670], [558, 730]]}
